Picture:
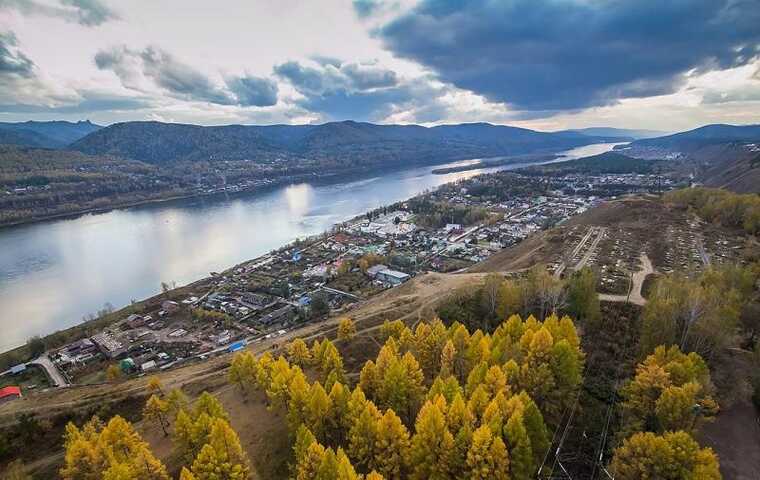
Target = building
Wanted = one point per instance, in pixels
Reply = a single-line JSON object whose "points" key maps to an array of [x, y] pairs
{"points": [[108, 346], [170, 306], [9, 393], [135, 321], [374, 270], [392, 277]]}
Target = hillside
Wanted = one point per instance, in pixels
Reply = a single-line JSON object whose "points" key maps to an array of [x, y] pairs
{"points": [[620, 133], [703, 136], [345, 143], [608, 162], [55, 134]]}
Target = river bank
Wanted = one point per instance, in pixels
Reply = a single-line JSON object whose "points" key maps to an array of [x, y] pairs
{"points": [[54, 273]]}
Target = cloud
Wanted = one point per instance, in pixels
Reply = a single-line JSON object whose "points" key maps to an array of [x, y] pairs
{"points": [[89, 102], [90, 13], [254, 91], [364, 91], [335, 76], [180, 78], [564, 55], [136, 68], [365, 8], [12, 60]]}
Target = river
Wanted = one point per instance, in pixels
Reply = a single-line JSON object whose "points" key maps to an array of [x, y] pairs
{"points": [[54, 273]]}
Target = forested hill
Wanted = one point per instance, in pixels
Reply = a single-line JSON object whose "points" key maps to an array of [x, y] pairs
{"points": [[56, 134], [703, 136], [343, 143]]}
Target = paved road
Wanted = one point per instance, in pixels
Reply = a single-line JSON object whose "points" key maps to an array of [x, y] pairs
{"points": [[55, 376], [638, 280]]}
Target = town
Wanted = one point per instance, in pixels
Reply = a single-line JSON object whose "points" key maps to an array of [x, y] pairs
{"points": [[446, 230]]}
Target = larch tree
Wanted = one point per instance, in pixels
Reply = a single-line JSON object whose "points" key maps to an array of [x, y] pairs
{"points": [[346, 329], [363, 437], [392, 447], [487, 457], [672, 456], [112, 451], [432, 445], [222, 458], [156, 410], [299, 353], [154, 386]]}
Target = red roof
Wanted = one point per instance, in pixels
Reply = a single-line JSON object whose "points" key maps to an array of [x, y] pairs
{"points": [[8, 391]]}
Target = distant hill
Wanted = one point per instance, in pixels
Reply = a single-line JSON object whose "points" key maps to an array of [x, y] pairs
{"points": [[703, 136], [621, 133], [56, 134], [340, 143], [604, 163]]}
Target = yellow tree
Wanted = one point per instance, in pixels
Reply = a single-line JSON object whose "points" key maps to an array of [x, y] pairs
{"points": [[672, 456], [222, 458], [432, 445], [346, 329], [113, 373], [392, 447], [154, 386], [363, 437], [156, 410], [243, 371], [114, 451], [186, 474], [298, 353], [487, 457]]}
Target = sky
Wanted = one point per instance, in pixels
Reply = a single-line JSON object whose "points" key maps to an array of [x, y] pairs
{"points": [[543, 64]]}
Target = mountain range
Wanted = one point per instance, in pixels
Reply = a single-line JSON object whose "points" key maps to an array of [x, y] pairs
{"points": [[55, 134], [703, 136], [347, 142]]}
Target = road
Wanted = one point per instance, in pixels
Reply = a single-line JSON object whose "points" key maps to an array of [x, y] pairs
{"points": [[55, 376], [599, 232], [634, 295]]}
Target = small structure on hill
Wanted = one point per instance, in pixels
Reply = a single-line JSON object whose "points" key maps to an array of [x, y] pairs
{"points": [[9, 393]]}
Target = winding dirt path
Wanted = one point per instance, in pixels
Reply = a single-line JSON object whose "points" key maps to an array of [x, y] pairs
{"points": [[634, 296]]}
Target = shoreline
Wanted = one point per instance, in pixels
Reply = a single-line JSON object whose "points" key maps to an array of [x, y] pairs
{"points": [[329, 178], [326, 177]]}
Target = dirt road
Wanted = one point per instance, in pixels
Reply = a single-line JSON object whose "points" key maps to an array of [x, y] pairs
{"points": [[634, 296]]}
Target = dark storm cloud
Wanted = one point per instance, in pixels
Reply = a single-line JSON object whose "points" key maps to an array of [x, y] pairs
{"points": [[358, 91], [90, 13], [182, 80], [564, 55], [254, 91], [13, 61]]}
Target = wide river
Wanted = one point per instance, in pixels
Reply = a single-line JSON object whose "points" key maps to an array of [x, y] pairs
{"points": [[54, 273]]}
